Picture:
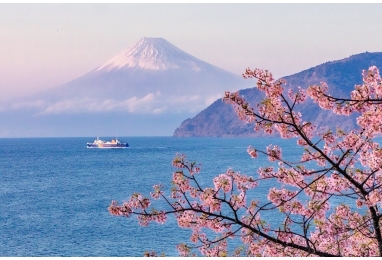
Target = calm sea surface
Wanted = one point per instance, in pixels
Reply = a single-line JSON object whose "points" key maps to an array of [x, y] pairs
{"points": [[55, 192]]}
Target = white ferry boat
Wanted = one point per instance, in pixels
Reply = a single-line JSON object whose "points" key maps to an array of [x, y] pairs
{"points": [[107, 144]]}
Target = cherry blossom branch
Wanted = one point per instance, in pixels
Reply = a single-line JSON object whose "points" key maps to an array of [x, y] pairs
{"points": [[347, 165]]}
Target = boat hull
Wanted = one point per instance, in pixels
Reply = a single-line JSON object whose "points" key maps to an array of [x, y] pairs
{"points": [[122, 145], [102, 144]]}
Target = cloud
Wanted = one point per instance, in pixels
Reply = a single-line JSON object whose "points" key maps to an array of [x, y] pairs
{"points": [[143, 105], [161, 110], [38, 104], [212, 99], [152, 103]]}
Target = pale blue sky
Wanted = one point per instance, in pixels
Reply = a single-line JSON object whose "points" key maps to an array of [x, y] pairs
{"points": [[46, 45]]}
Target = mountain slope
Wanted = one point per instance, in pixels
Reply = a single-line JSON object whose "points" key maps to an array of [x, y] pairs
{"points": [[219, 119]]}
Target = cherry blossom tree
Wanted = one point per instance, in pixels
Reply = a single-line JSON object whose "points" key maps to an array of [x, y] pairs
{"points": [[335, 165]]}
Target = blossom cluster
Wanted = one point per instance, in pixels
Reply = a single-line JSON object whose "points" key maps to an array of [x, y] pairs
{"points": [[328, 201]]}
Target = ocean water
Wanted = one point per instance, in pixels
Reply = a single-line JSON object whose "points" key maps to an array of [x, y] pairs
{"points": [[55, 192]]}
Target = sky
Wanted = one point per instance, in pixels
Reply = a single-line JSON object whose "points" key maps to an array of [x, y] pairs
{"points": [[47, 45]]}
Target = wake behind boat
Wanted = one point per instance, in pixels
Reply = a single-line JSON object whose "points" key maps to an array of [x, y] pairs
{"points": [[106, 144]]}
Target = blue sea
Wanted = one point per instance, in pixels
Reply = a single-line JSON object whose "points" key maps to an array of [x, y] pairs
{"points": [[55, 192]]}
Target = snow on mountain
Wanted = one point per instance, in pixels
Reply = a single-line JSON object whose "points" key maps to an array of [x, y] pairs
{"points": [[153, 54]]}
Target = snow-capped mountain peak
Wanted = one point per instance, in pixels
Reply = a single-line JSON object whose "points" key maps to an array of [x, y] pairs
{"points": [[153, 54]]}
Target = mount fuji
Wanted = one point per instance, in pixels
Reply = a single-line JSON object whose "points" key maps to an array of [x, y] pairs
{"points": [[147, 89]]}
